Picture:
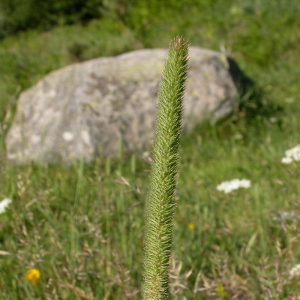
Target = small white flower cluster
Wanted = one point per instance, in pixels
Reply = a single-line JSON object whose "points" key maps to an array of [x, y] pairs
{"points": [[228, 186], [291, 154], [4, 204], [295, 271]]}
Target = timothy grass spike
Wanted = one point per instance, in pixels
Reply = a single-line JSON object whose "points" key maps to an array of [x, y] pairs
{"points": [[160, 203]]}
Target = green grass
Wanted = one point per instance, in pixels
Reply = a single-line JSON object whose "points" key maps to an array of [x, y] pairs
{"points": [[82, 225]]}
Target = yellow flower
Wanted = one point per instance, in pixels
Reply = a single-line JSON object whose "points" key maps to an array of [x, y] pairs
{"points": [[33, 275], [191, 226], [221, 291]]}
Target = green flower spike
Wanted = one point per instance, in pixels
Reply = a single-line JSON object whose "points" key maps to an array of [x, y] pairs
{"points": [[160, 203]]}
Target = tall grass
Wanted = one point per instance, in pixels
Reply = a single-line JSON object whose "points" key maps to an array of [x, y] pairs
{"points": [[160, 203]]}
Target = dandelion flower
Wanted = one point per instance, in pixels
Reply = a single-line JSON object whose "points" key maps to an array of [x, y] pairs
{"points": [[229, 186], [4, 204], [33, 275], [191, 226], [291, 155], [295, 271]]}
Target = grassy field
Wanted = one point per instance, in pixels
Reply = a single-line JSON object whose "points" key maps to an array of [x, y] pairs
{"points": [[82, 225]]}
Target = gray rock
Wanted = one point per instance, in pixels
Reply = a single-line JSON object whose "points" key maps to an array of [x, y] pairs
{"points": [[89, 108]]}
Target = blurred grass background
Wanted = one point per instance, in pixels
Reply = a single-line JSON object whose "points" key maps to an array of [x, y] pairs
{"points": [[82, 225]]}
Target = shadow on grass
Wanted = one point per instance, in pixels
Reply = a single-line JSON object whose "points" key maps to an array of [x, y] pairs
{"points": [[252, 101]]}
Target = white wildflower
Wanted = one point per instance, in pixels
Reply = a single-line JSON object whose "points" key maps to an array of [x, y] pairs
{"points": [[286, 160], [4, 204], [295, 271], [68, 136], [291, 155], [228, 186]]}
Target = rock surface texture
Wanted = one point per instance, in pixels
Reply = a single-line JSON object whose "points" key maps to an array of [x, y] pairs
{"points": [[90, 108]]}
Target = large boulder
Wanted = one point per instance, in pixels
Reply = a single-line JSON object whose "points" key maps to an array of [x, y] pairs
{"points": [[89, 108]]}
